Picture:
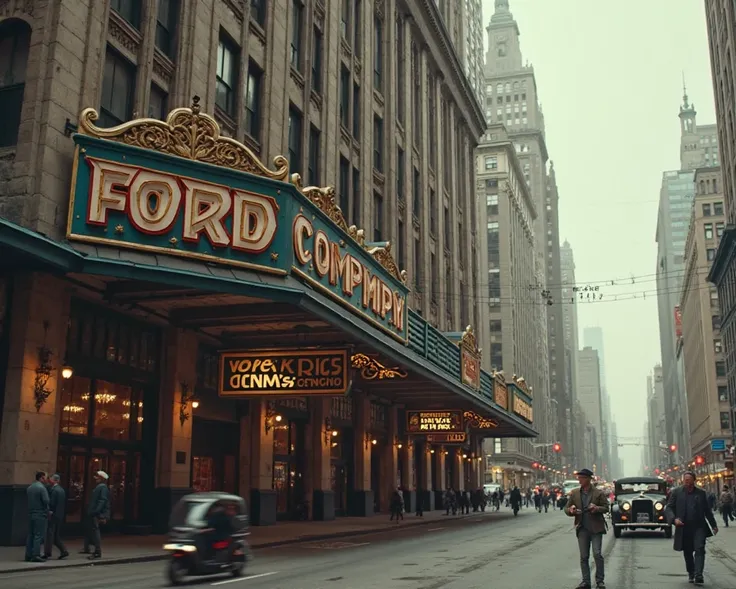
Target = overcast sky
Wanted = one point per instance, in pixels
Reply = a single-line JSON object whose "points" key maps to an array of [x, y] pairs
{"points": [[610, 81]]}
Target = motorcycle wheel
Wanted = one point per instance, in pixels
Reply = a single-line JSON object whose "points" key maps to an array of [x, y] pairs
{"points": [[177, 571]]}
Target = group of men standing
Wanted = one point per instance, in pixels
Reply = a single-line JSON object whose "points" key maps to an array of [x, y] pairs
{"points": [[46, 510]]}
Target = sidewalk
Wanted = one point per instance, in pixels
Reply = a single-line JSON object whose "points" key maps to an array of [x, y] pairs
{"points": [[127, 549]]}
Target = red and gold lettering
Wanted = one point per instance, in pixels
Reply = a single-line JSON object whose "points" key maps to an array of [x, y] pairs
{"points": [[254, 221], [302, 229], [205, 208]]}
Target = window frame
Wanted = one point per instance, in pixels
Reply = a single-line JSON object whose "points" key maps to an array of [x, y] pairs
{"points": [[226, 44]]}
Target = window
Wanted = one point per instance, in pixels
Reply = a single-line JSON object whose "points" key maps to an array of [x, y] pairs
{"points": [[416, 95], [356, 111], [130, 10], [15, 38], [317, 61], [402, 246], [715, 321], [258, 12], [495, 325], [492, 203], [725, 421], [710, 254], [491, 163], [356, 28], [253, 100], [157, 103], [356, 197], [227, 71], [118, 85], [377, 217], [433, 276], [708, 230], [717, 346], [723, 393], [313, 170], [297, 22], [417, 195], [295, 140], [345, 97], [714, 298], [400, 172], [720, 227], [720, 368], [378, 143], [345, 19], [378, 55], [718, 209], [432, 211], [168, 12], [706, 210], [344, 185], [400, 71]]}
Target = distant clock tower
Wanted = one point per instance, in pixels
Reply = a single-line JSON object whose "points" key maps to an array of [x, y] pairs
{"points": [[504, 51]]}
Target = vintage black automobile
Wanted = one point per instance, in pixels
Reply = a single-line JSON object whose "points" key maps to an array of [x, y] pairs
{"points": [[639, 505], [207, 536]]}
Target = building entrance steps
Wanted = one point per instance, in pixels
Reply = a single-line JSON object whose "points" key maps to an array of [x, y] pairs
{"points": [[120, 549]]}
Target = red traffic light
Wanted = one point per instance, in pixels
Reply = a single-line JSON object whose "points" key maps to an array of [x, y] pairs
{"points": [[557, 448], [699, 460], [656, 471], [673, 447], [535, 465]]}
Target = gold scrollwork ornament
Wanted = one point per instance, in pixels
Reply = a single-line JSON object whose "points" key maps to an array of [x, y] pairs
{"points": [[372, 369]]}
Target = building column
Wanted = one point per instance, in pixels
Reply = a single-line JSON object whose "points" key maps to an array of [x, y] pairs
{"points": [[409, 476], [390, 462], [256, 463], [439, 477], [458, 476], [361, 502], [323, 498], [37, 318], [424, 478], [173, 477]]}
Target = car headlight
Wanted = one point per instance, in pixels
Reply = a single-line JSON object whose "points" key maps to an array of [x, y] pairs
{"points": [[626, 506], [658, 506]]}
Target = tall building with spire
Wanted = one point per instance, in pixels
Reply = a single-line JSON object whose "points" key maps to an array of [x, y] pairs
{"points": [[511, 99], [698, 143], [570, 342]]}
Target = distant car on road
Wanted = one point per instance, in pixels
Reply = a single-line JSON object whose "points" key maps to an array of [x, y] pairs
{"points": [[639, 504]]}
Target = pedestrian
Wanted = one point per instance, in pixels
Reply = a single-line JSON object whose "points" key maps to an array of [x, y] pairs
{"points": [[98, 512], [38, 515], [57, 507], [397, 505], [588, 506], [688, 509], [726, 500]]}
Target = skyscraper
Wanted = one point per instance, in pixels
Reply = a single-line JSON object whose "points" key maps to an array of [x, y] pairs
{"points": [[593, 338], [589, 397], [569, 303], [511, 99]]}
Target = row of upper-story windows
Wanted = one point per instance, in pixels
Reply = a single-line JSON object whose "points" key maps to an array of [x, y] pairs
{"points": [[715, 209], [708, 186]]}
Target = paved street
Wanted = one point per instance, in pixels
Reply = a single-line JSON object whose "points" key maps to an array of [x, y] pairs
{"points": [[533, 551]]}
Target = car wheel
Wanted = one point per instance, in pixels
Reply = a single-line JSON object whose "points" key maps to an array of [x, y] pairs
{"points": [[616, 532], [177, 571], [668, 532]]}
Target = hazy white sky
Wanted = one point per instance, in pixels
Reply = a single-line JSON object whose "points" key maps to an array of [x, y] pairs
{"points": [[610, 80]]}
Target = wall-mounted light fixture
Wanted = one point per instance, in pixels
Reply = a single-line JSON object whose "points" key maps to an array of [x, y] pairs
{"points": [[272, 417], [329, 432], [67, 372], [187, 398], [369, 439], [398, 443]]}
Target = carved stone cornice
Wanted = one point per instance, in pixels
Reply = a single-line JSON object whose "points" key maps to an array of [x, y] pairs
{"points": [[163, 67], [238, 8], [124, 33], [189, 134]]}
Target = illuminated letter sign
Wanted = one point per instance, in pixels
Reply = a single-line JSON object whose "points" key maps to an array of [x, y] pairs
{"points": [[421, 422], [331, 264], [523, 409], [284, 372]]}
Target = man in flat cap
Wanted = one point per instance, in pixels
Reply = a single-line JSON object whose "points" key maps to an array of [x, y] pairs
{"points": [[688, 508], [588, 506], [98, 512]]}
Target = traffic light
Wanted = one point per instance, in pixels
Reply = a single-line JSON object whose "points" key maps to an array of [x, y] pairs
{"points": [[699, 460], [535, 465], [673, 448], [656, 471], [556, 448]]}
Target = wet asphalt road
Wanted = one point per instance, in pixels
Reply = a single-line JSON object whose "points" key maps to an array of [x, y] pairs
{"points": [[533, 551]]}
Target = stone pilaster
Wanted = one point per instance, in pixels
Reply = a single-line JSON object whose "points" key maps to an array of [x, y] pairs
{"points": [[458, 469], [390, 462], [323, 498], [260, 446], [438, 484], [38, 318], [408, 475], [360, 502], [175, 424]]}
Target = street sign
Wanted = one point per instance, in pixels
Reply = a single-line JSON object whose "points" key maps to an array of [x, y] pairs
{"points": [[718, 445]]}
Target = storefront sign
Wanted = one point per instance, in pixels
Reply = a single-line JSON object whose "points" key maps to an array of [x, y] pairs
{"points": [[344, 272], [418, 422], [523, 409], [500, 391], [284, 372], [459, 438], [470, 358]]}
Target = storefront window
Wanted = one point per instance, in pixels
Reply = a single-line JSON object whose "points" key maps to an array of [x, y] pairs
{"points": [[281, 439], [74, 406], [203, 474], [112, 411]]}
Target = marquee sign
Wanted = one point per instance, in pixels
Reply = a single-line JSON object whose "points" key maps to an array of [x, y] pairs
{"points": [[178, 188], [523, 409], [470, 358], [459, 438], [500, 391], [284, 372], [424, 422]]}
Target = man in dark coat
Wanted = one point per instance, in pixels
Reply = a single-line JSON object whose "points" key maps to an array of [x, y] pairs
{"points": [[98, 512], [588, 506], [38, 514], [57, 507], [688, 509]]}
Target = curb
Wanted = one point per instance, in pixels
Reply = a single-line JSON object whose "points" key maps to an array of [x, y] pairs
{"points": [[254, 547]]}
